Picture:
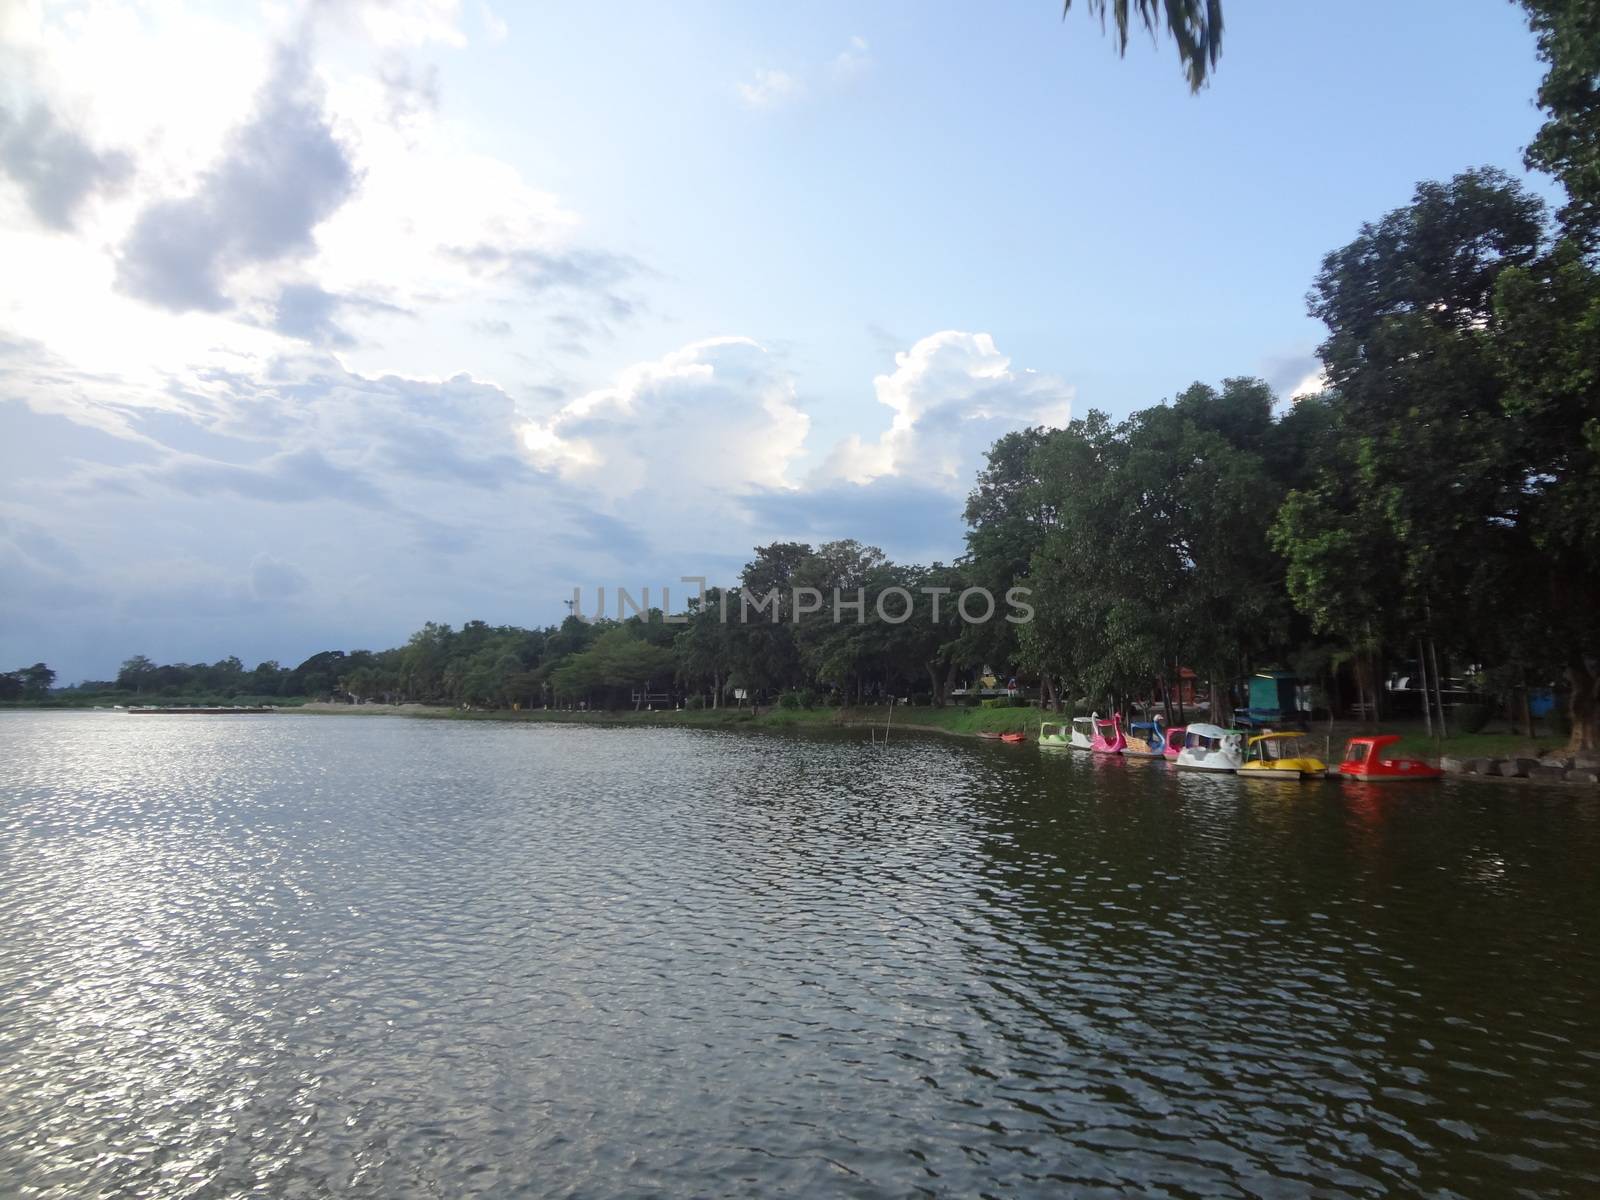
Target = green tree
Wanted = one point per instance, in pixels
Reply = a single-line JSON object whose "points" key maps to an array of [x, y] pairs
{"points": [[136, 674], [617, 663], [1008, 515], [1344, 567], [1412, 352], [703, 646], [1549, 319], [763, 656], [1567, 36], [37, 681]]}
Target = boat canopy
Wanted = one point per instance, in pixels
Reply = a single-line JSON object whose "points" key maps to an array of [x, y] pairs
{"points": [[1269, 745]]}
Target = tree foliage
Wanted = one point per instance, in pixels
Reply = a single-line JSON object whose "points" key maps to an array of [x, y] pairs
{"points": [[1195, 27], [1567, 35]]}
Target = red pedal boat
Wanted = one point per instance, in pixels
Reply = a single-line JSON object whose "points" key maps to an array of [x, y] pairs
{"points": [[1013, 737], [1364, 760]]}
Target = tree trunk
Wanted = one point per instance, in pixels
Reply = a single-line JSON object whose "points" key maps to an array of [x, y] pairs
{"points": [[949, 682], [1367, 686], [1427, 704], [1438, 686], [1585, 683]]}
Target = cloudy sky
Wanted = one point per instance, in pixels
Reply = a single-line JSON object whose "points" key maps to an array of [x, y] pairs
{"points": [[322, 319]]}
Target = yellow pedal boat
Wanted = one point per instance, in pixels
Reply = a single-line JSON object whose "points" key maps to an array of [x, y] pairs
{"points": [[1272, 755]]}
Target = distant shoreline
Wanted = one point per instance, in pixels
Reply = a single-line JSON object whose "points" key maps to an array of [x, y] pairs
{"points": [[950, 721]]}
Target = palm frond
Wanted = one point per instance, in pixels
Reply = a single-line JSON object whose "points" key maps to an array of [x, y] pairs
{"points": [[1195, 25]]}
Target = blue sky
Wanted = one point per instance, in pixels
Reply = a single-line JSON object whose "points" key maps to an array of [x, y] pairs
{"points": [[326, 320]]}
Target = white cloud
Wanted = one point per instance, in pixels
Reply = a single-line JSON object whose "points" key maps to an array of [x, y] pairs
{"points": [[770, 88], [952, 394], [852, 61], [282, 174], [1312, 383], [408, 220], [774, 87], [494, 27], [716, 416], [395, 23]]}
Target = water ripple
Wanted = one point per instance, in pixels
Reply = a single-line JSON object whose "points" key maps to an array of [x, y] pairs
{"points": [[373, 957]]}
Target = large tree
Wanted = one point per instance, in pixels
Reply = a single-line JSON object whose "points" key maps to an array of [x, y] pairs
{"points": [[1008, 515], [1461, 347], [1549, 316], [1412, 351]]}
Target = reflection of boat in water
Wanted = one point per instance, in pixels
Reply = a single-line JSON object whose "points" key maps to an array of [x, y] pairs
{"points": [[1364, 761], [1281, 756], [1108, 737], [1212, 748]]}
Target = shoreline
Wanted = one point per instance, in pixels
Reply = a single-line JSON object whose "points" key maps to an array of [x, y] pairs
{"points": [[965, 723], [952, 721], [1478, 757]]}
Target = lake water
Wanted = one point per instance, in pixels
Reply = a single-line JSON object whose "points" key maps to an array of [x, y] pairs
{"points": [[382, 957]]}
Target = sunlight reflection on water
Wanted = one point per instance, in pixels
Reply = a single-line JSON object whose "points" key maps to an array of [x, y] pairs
{"points": [[383, 957]]}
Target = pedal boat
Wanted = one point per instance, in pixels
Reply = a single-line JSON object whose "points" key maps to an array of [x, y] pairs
{"points": [[1108, 737], [1146, 739], [1212, 748], [1055, 733], [1272, 755], [1365, 761], [1075, 736], [1172, 743]]}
